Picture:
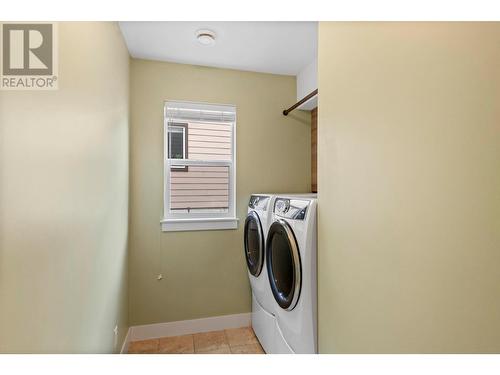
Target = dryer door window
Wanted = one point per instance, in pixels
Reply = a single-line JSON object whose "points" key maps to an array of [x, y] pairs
{"points": [[254, 244], [283, 264]]}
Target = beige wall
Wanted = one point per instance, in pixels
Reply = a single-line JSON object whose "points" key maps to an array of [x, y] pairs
{"points": [[64, 200], [205, 272], [409, 184]]}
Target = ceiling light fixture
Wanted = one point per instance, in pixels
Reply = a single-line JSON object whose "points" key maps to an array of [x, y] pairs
{"points": [[205, 37]]}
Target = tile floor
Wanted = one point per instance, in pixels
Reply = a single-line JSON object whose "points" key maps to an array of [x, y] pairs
{"points": [[229, 341]]}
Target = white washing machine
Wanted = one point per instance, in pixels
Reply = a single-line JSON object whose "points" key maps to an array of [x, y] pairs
{"points": [[291, 247], [255, 234]]}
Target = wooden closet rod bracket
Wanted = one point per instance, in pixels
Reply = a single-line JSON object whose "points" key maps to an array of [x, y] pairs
{"points": [[301, 101]]}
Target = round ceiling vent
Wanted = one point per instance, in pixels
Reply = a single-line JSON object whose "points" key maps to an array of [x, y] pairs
{"points": [[205, 37]]}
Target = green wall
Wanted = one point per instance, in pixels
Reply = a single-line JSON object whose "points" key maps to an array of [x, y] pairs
{"points": [[409, 187], [64, 201], [205, 272]]}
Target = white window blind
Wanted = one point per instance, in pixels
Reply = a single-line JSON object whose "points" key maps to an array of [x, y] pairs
{"points": [[200, 112]]}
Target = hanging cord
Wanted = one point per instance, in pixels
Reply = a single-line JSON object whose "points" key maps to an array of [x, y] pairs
{"points": [[160, 274]]}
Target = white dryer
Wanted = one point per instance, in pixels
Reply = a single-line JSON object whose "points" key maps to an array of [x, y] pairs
{"points": [[255, 233], [291, 265]]}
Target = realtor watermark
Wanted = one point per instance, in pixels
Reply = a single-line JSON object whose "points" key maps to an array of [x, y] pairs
{"points": [[29, 56]]}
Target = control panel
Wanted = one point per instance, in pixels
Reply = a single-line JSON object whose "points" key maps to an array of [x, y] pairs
{"points": [[258, 202], [291, 208]]}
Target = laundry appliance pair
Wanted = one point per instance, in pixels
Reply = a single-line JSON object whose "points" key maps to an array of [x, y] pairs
{"points": [[280, 241]]}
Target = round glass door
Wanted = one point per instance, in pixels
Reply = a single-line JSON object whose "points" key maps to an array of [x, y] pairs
{"points": [[283, 264], [254, 244]]}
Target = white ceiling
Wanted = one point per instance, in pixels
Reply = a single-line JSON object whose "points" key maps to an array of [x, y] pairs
{"points": [[269, 47]]}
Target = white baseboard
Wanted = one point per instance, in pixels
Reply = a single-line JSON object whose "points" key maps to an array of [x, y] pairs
{"points": [[186, 327]]}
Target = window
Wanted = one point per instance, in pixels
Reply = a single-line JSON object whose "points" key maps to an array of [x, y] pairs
{"points": [[199, 167], [177, 143]]}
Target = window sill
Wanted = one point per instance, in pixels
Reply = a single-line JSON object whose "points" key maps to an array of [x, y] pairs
{"points": [[181, 225]]}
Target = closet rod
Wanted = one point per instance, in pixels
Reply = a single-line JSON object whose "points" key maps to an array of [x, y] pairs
{"points": [[301, 101]]}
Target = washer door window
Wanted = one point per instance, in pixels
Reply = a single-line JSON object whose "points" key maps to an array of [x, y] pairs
{"points": [[254, 244], [283, 264]]}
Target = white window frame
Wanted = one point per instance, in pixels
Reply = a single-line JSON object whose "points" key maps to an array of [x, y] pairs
{"points": [[184, 221]]}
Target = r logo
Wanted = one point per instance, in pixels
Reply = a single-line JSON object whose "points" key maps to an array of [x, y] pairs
{"points": [[27, 49]]}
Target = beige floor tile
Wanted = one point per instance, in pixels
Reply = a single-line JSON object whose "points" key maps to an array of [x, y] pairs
{"points": [[177, 345], [241, 336], [223, 349], [209, 341], [143, 347], [247, 349]]}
